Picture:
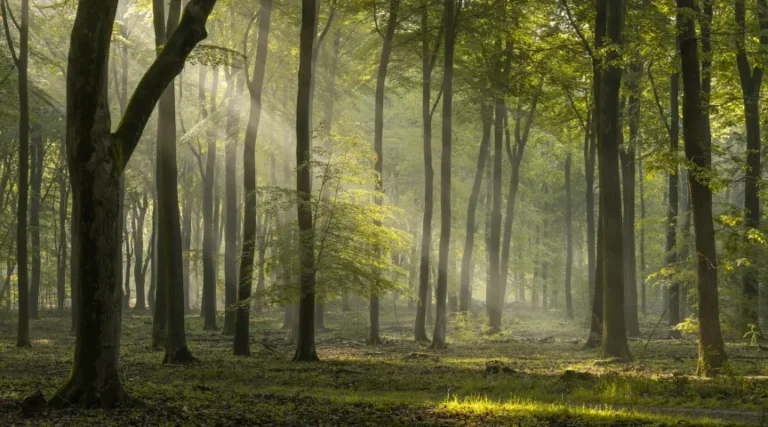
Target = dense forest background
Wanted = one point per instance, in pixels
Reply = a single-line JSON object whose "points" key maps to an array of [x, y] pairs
{"points": [[465, 162]]}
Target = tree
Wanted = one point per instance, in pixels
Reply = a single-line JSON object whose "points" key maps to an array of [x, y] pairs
{"points": [[255, 87], [96, 159], [441, 289], [305, 348], [428, 60], [21, 61], [378, 144], [568, 239], [751, 83], [209, 268], [465, 294], [698, 152], [614, 342]]}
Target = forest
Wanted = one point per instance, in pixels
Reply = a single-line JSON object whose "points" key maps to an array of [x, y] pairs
{"points": [[383, 212]]}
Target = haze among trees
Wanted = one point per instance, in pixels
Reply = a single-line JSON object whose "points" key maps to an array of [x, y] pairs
{"points": [[383, 212]]}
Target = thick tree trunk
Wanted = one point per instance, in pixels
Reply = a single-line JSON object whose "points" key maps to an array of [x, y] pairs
{"points": [[96, 160], [698, 151], [672, 207], [614, 333], [441, 290], [378, 145], [255, 86], [568, 240], [486, 116]]}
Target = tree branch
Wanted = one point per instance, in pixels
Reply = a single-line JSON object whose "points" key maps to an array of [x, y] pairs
{"points": [[168, 64], [658, 101]]}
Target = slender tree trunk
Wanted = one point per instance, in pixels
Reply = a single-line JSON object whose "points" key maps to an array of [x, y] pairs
{"points": [[21, 60], [127, 279], [230, 210], [751, 82], [486, 116], [61, 264], [641, 180], [255, 86], [568, 240], [186, 240], [209, 251], [441, 290], [698, 151], [378, 146], [628, 168], [428, 61], [141, 265], [672, 207], [36, 181], [494, 287], [305, 334]]}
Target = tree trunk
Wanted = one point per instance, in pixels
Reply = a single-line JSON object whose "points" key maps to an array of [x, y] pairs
{"points": [[378, 146], [141, 265], [209, 268], [628, 179], [36, 181], [698, 151], [614, 333], [305, 348], [494, 287], [95, 176], [230, 210], [672, 207], [21, 61], [568, 240], [61, 264], [641, 180], [486, 116], [127, 278], [428, 61], [441, 290], [751, 82], [186, 240], [255, 86]]}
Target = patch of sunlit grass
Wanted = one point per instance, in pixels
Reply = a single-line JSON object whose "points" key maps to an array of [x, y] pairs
{"points": [[483, 407]]}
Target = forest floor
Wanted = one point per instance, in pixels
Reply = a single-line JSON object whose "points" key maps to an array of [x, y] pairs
{"points": [[535, 373]]}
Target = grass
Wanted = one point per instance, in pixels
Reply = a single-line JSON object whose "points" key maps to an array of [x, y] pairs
{"points": [[534, 373]]}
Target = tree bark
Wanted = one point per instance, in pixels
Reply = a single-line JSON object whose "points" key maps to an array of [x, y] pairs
{"points": [[21, 60], [305, 349], [751, 82], [36, 182], [255, 86], [614, 343], [96, 160], [568, 240], [698, 151], [486, 116], [378, 146], [428, 62], [441, 290], [672, 207], [209, 268]]}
